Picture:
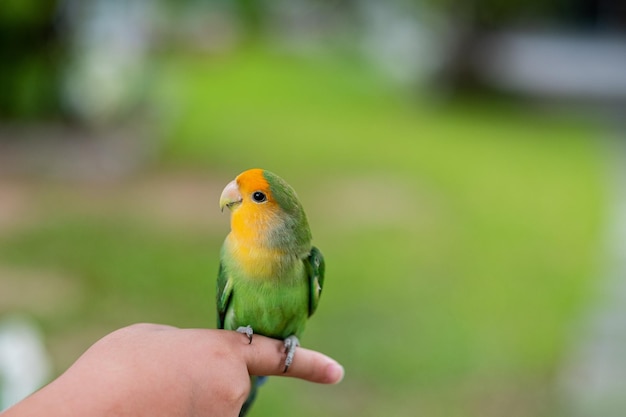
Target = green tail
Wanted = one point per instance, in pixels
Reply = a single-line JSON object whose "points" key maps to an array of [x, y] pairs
{"points": [[255, 383]]}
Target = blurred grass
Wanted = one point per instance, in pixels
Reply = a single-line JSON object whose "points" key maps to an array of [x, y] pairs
{"points": [[462, 240]]}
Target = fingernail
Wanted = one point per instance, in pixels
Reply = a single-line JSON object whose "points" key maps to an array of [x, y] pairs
{"points": [[334, 373]]}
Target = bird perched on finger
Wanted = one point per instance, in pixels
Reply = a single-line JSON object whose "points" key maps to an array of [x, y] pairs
{"points": [[270, 277]]}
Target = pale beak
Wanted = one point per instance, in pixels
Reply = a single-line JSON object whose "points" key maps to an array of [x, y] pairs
{"points": [[230, 196]]}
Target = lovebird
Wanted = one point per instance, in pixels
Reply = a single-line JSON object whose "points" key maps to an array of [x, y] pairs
{"points": [[270, 276]]}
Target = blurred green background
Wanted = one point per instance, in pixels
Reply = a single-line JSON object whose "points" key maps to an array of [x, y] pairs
{"points": [[463, 227]]}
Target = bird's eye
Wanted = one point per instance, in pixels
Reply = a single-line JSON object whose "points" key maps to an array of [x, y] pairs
{"points": [[258, 197]]}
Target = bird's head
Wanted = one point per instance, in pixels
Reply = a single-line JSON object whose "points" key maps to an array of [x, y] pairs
{"points": [[262, 203], [248, 190]]}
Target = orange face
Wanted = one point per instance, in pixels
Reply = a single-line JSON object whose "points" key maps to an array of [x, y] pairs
{"points": [[253, 208]]}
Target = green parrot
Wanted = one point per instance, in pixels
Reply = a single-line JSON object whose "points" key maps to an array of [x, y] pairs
{"points": [[270, 276]]}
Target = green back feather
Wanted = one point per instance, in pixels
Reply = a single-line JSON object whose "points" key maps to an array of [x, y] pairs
{"points": [[293, 233]]}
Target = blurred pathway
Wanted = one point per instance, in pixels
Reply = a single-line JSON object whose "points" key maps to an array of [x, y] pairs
{"points": [[67, 153], [594, 378], [50, 169]]}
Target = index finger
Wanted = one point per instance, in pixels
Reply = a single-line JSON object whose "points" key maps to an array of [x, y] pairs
{"points": [[265, 356]]}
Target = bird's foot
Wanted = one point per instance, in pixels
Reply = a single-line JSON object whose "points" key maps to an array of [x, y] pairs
{"points": [[290, 348], [247, 330]]}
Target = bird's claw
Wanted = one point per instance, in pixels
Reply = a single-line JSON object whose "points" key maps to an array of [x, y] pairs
{"points": [[290, 348], [247, 330]]}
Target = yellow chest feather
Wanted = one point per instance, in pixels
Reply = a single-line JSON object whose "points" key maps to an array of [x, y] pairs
{"points": [[248, 243], [255, 261]]}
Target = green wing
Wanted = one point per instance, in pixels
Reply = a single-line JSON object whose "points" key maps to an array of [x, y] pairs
{"points": [[224, 294], [315, 266]]}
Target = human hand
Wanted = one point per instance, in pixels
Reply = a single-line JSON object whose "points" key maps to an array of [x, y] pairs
{"points": [[154, 370]]}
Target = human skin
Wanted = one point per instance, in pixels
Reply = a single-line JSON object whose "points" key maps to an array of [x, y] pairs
{"points": [[157, 370]]}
